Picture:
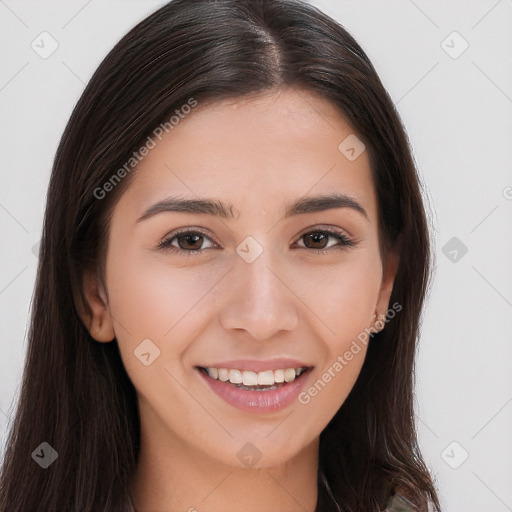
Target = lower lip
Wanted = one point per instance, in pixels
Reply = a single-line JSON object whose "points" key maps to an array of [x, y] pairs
{"points": [[257, 401]]}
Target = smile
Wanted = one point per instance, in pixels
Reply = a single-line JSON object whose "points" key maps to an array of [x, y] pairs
{"points": [[256, 391], [255, 380]]}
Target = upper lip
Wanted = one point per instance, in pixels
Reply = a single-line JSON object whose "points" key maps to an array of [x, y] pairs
{"points": [[258, 366]]}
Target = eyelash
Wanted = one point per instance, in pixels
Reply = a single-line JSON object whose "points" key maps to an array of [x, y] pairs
{"points": [[165, 244]]}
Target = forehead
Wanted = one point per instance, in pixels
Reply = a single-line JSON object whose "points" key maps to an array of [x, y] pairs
{"points": [[260, 151]]}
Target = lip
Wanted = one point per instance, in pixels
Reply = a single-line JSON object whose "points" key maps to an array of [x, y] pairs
{"points": [[257, 401], [258, 366]]}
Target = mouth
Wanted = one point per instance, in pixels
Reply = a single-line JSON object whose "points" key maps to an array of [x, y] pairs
{"points": [[256, 391], [255, 381]]}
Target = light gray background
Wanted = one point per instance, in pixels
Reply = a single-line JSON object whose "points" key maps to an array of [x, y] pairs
{"points": [[458, 113]]}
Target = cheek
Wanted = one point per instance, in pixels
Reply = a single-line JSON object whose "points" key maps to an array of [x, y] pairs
{"points": [[168, 306], [345, 306], [149, 300], [328, 390], [343, 295]]}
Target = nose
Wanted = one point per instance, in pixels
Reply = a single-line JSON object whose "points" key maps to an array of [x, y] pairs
{"points": [[261, 301]]}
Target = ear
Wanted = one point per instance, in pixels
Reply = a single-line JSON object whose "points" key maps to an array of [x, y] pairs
{"points": [[389, 270], [99, 322]]}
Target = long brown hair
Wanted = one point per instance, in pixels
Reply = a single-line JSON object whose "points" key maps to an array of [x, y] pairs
{"points": [[75, 394]]}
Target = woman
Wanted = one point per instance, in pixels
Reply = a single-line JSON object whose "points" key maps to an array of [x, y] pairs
{"points": [[234, 260]]}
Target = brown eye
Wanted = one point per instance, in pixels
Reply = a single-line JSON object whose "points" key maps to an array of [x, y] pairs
{"points": [[185, 242], [319, 239], [192, 241]]}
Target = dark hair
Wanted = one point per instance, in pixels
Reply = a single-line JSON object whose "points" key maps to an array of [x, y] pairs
{"points": [[76, 394]]}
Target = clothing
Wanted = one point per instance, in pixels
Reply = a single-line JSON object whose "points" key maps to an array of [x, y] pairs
{"points": [[397, 503]]}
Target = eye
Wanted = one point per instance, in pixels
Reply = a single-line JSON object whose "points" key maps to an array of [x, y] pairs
{"points": [[190, 242], [319, 239], [185, 242]]}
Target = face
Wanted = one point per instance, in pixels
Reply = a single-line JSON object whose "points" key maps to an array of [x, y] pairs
{"points": [[266, 284]]}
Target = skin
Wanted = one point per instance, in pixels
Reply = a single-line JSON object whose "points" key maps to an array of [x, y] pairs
{"points": [[259, 154]]}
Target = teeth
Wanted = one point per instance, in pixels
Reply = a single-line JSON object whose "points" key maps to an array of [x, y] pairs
{"points": [[266, 378], [235, 377], [248, 378], [278, 376], [254, 379], [289, 374], [223, 374]]}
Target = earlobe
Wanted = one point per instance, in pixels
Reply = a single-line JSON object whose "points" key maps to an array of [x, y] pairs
{"points": [[99, 322]]}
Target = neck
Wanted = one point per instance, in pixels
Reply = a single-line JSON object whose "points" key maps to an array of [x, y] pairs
{"points": [[178, 479]]}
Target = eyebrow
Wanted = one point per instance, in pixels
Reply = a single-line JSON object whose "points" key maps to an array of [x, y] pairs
{"points": [[217, 208]]}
